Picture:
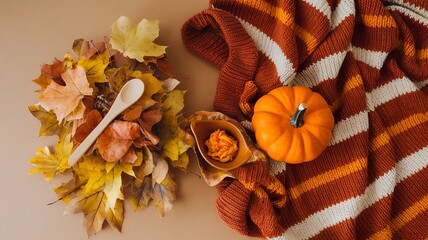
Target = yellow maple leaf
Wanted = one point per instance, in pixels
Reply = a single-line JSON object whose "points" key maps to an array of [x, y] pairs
{"points": [[174, 101], [93, 205], [182, 161], [50, 164], [113, 181], [63, 100], [47, 119], [95, 212], [174, 141], [115, 216], [94, 67], [89, 166], [136, 42], [104, 176], [69, 190], [151, 85]]}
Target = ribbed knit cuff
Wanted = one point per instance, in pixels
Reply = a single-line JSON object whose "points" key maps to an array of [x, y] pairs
{"points": [[219, 37]]}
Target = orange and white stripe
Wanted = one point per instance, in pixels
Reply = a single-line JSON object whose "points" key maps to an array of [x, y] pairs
{"points": [[392, 90], [272, 50], [351, 208], [322, 70]]}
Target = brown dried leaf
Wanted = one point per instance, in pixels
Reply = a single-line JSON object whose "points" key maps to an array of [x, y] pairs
{"points": [[53, 70], [164, 66], [92, 120]]}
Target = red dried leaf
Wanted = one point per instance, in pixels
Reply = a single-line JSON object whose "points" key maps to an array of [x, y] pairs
{"points": [[164, 65], [53, 71]]}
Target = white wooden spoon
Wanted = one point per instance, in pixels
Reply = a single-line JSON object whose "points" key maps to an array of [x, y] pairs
{"points": [[129, 94]]}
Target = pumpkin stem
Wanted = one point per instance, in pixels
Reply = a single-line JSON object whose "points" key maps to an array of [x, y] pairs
{"points": [[297, 119]]}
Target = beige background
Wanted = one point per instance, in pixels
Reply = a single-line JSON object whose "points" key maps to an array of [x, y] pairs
{"points": [[33, 33]]}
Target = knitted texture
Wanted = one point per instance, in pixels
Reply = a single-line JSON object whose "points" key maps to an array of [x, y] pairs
{"points": [[369, 60]]}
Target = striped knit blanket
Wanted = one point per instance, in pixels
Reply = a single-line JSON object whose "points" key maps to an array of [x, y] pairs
{"points": [[369, 60]]}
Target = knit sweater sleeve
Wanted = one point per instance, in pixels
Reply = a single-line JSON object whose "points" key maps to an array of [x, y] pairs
{"points": [[218, 37], [250, 203]]}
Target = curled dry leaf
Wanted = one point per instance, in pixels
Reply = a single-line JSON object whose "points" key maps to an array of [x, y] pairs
{"points": [[160, 169], [170, 84], [116, 139]]}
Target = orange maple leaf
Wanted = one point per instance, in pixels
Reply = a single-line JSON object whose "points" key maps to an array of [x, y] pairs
{"points": [[63, 100]]}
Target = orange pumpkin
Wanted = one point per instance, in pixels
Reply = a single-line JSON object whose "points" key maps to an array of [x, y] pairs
{"points": [[292, 124]]}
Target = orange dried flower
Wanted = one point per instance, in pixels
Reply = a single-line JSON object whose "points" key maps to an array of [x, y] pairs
{"points": [[221, 146]]}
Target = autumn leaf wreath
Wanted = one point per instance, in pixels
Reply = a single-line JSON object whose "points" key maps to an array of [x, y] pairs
{"points": [[135, 156]]}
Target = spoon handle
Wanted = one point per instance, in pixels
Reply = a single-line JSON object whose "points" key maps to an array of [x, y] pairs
{"points": [[128, 95], [84, 146]]}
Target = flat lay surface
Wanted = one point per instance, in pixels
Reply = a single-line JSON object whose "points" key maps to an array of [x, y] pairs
{"points": [[335, 91], [34, 33]]}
